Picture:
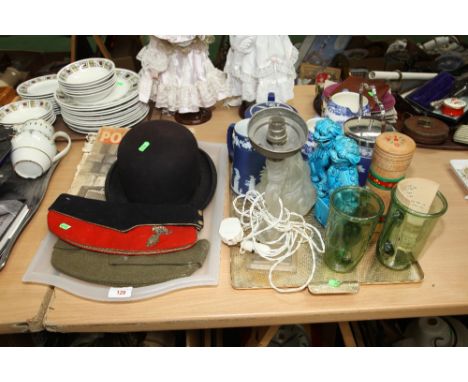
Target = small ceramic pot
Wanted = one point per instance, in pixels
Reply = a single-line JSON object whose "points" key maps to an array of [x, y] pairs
{"points": [[453, 107]]}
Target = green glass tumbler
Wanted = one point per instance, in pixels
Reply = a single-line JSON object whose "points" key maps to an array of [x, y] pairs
{"points": [[406, 231], [354, 214]]}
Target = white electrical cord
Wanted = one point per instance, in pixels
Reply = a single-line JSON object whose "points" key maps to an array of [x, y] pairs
{"points": [[291, 228]]}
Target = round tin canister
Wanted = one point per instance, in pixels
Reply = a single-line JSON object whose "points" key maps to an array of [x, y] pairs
{"points": [[453, 107], [364, 131], [426, 130], [392, 156]]}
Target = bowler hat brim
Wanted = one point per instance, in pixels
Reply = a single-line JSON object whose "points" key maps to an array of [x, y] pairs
{"points": [[199, 200]]}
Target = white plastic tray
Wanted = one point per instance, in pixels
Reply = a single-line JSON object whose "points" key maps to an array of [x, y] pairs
{"points": [[41, 271]]}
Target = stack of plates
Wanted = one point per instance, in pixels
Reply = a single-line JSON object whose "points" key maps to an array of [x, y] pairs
{"points": [[121, 107], [87, 80], [42, 87], [17, 113]]}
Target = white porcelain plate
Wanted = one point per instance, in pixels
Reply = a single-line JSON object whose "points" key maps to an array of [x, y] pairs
{"points": [[116, 115], [93, 98], [460, 167], [102, 112], [38, 87], [129, 123], [90, 90], [22, 111], [127, 117], [136, 112]]}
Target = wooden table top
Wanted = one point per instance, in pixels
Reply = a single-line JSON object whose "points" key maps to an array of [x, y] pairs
{"points": [[444, 290]]}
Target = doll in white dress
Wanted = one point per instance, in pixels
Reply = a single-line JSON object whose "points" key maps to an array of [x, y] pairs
{"points": [[257, 65], [178, 75]]}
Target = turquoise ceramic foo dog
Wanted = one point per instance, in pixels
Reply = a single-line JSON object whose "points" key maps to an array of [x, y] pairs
{"points": [[332, 164]]}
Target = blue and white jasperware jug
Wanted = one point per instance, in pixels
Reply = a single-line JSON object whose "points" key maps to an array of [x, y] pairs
{"points": [[246, 162]]}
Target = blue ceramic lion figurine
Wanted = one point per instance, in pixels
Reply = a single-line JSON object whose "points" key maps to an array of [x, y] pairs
{"points": [[344, 157], [333, 164], [325, 133]]}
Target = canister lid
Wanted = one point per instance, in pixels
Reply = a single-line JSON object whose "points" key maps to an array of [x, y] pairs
{"points": [[364, 130], [426, 129], [395, 143], [455, 103]]}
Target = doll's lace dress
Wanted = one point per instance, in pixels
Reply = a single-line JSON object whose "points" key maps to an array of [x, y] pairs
{"points": [[178, 75], [257, 65]]}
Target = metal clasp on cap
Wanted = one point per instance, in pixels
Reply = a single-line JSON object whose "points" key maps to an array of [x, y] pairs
{"points": [[158, 230]]}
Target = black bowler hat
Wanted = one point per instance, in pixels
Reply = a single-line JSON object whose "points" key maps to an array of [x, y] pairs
{"points": [[159, 163]]}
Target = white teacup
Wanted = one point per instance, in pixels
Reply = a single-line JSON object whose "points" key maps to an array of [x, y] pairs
{"points": [[34, 149], [37, 125]]}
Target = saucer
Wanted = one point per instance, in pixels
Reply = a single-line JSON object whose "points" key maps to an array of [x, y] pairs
{"points": [[460, 167]]}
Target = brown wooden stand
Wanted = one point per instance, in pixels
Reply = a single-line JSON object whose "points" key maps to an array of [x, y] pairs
{"points": [[243, 107], [198, 118]]}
